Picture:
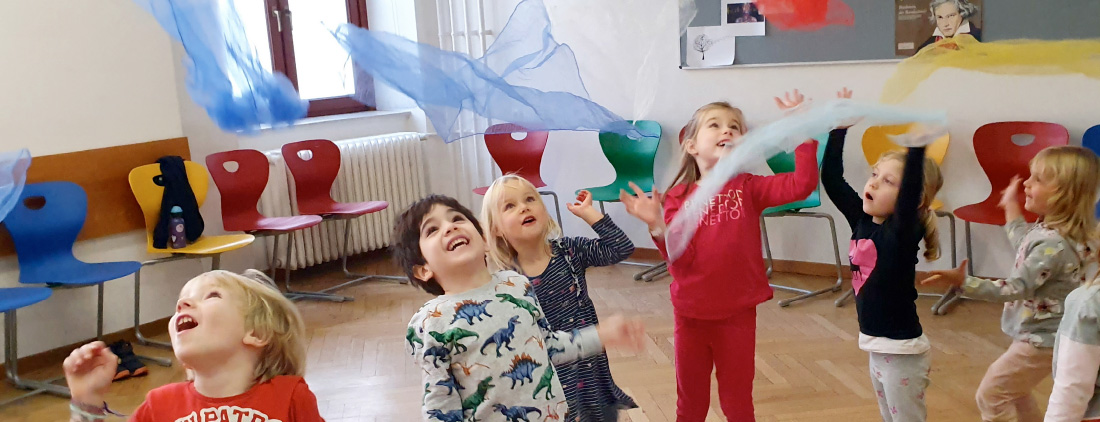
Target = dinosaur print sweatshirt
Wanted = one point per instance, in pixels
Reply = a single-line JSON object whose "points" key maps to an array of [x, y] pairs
{"points": [[488, 354]]}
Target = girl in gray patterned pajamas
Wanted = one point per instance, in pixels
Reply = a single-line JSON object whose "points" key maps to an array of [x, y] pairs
{"points": [[1052, 260]]}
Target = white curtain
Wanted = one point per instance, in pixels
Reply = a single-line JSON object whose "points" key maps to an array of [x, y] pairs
{"points": [[460, 26]]}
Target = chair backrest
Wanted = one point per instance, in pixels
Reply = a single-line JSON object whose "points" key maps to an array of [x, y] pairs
{"points": [[44, 224], [1004, 149], [1091, 140], [514, 154], [784, 163], [633, 158], [876, 141], [241, 188], [314, 164], [145, 183]]}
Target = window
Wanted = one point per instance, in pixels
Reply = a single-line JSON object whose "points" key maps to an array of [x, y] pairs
{"points": [[298, 35]]}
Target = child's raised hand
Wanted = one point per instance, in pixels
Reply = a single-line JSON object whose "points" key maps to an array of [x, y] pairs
{"points": [[1009, 199], [617, 332], [645, 208], [583, 208], [89, 372], [846, 93], [790, 100], [953, 277]]}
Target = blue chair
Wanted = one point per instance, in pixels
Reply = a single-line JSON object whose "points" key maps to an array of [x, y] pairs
{"points": [[12, 299], [44, 225], [1091, 140], [784, 163]]}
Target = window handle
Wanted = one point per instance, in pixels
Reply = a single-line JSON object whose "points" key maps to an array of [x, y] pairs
{"points": [[278, 20]]}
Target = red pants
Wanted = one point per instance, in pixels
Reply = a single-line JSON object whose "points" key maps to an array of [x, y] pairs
{"points": [[728, 345]]}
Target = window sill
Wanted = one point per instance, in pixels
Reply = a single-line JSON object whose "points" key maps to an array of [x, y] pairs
{"points": [[320, 120]]}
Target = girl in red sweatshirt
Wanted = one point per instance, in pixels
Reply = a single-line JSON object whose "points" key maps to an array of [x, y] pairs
{"points": [[720, 278]]}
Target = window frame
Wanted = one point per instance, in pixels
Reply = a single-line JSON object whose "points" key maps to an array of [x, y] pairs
{"points": [[283, 61]]}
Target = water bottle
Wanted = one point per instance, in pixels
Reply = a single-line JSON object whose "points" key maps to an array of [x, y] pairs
{"points": [[175, 228]]}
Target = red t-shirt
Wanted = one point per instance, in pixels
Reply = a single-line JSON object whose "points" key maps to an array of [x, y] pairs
{"points": [[282, 399], [722, 270]]}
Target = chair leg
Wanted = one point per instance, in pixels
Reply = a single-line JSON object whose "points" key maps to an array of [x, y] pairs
{"points": [[953, 294], [359, 278], [290, 292], [137, 316], [557, 207], [767, 247], [651, 273], [11, 361], [99, 313], [806, 294], [658, 271]]}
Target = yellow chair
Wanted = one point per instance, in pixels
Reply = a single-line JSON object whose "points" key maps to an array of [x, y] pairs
{"points": [[149, 194], [876, 141]]}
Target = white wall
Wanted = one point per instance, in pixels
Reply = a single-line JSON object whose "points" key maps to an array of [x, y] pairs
{"points": [[82, 76], [612, 42]]}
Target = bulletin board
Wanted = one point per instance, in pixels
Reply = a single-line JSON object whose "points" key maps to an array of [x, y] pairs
{"points": [[874, 36]]}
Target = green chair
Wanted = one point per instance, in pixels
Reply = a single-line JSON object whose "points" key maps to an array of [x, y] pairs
{"points": [[784, 163], [633, 162]]}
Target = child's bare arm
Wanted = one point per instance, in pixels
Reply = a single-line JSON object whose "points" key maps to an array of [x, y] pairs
{"points": [[89, 372]]}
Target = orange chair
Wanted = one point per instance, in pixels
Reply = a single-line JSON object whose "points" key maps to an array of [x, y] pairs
{"points": [[876, 141], [147, 191]]}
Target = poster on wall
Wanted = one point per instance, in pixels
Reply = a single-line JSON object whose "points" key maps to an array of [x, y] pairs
{"points": [[742, 18], [710, 46], [920, 23]]}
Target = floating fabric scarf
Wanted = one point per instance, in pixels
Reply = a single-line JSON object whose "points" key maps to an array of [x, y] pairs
{"points": [[224, 75], [1016, 57], [784, 135], [13, 176], [525, 77], [805, 15]]}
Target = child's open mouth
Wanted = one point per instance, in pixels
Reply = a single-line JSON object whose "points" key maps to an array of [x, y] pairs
{"points": [[868, 196], [184, 323], [457, 242], [529, 221]]}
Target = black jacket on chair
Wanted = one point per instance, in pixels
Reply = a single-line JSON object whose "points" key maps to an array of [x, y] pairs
{"points": [[177, 192]]}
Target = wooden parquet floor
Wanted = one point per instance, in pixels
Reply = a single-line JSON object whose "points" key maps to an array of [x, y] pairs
{"points": [[808, 365]]}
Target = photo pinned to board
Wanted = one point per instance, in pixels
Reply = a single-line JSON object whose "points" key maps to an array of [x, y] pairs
{"points": [[710, 46], [742, 18]]}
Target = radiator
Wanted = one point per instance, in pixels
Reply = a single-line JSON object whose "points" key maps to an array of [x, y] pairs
{"points": [[378, 168]]}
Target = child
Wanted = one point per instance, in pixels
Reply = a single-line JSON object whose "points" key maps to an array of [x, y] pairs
{"points": [[1051, 261], [242, 340], [1076, 394], [719, 280], [522, 237], [888, 221], [484, 344]]}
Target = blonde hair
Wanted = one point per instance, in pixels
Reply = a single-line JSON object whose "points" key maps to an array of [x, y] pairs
{"points": [[1075, 173], [272, 318], [502, 256], [933, 181], [689, 172]]}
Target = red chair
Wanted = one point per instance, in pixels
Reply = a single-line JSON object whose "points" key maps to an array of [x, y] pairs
{"points": [[314, 165], [241, 189], [521, 156], [1004, 149]]}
